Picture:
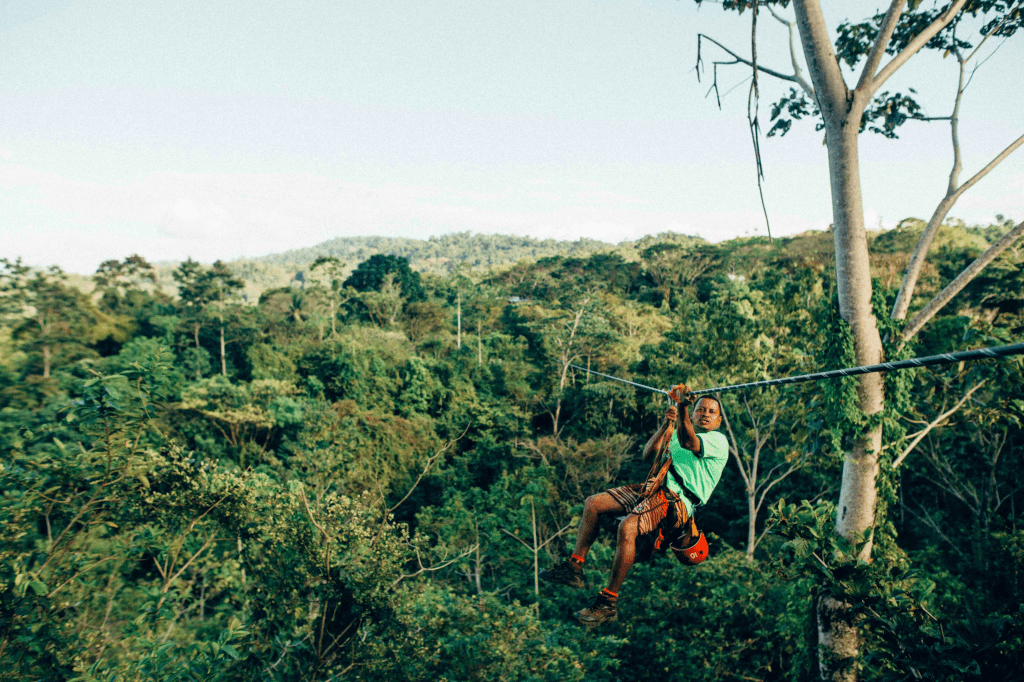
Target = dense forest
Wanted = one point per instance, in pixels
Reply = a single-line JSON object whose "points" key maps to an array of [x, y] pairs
{"points": [[441, 255], [358, 474]]}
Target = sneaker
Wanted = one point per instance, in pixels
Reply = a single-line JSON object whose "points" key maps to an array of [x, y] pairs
{"points": [[600, 610], [566, 573]]}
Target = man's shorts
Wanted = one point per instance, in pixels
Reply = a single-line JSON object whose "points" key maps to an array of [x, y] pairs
{"points": [[662, 509]]}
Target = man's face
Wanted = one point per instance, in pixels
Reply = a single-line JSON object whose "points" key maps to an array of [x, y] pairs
{"points": [[707, 416]]}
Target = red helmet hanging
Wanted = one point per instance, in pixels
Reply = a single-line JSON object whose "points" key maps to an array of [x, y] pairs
{"points": [[694, 554]]}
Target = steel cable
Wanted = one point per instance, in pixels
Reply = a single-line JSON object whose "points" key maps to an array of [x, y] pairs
{"points": [[944, 359]]}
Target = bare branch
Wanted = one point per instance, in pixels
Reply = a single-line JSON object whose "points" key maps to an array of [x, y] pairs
{"points": [[734, 449], [513, 535], [309, 513], [557, 534], [994, 31], [892, 17], [87, 568], [936, 422], [961, 281], [771, 485], [798, 75], [914, 46], [427, 569], [209, 541], [953, 194], [430, 462], [931, 523], [742, 60], [1013, 146]]}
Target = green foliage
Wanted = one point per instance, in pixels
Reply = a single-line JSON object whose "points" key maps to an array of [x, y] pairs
{"points": [[438, 634], [351, 489], [372, 273], [441, 254]]}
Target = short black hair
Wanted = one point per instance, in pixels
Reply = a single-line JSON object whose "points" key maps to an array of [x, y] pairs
{"points": [[708, 397]]}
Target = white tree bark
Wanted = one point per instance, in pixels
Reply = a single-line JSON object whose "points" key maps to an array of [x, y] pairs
{"points": [[842, 110]]}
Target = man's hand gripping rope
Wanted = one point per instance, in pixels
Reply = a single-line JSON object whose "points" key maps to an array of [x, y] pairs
{"points": [[682, 395]]}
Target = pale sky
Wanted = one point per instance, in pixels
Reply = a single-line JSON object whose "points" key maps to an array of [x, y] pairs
{"points": [[218, 129]]}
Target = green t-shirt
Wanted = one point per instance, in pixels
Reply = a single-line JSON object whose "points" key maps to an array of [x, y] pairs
{"points": [[700, 473]]}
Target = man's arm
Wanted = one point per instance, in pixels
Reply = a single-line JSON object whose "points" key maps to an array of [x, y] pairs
{"points": [[663, 433], [685, 432]]}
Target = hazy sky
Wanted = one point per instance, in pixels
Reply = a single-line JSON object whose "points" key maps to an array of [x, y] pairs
{"points": [[221, 129]]}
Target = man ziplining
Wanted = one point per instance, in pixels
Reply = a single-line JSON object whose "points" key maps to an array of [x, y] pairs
{"points": [[661, 507]]}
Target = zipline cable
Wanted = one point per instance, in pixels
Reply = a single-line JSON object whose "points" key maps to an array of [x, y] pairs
{"points": [[944, 359], [625, 381]]}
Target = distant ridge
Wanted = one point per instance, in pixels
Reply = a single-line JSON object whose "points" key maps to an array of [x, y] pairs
{"points": [[441, 254], [436, 255]]}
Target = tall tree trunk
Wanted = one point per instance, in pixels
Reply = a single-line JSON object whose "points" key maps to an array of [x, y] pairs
{"points": [[223, 362], [46, 361], [458, 321], [567, 358], [842, 110], [751, 524], [195, 331], [858, 496], [479, 562]]}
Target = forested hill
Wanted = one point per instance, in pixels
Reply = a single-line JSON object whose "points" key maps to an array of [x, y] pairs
{"points": [[495, 253], [436, 255], [441, 254], [359, 478]]}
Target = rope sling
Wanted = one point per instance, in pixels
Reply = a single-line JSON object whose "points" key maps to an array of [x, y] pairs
{"points": [[928, 361]]}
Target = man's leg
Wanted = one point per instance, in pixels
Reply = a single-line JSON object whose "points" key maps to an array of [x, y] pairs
{"points": [[602, 608], [570, 571], [625, 552], [593, 507]]}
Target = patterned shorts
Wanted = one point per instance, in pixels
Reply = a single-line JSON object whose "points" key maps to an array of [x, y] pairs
{"points": [[663, 509]]}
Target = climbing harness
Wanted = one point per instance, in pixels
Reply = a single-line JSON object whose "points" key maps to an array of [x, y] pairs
{"points": [[944, 359]]}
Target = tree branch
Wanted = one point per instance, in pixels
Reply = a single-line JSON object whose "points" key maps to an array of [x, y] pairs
{"points": [[734, 449], [932, 523], [426, 569], [209, 541], [892, 17], [961, 281], [764, 492], [525, 544], [953, 194], [936, 422], [797, 71], [430, 462], [1013, 146], [742, 60], [913, 47], [87, 568]]}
